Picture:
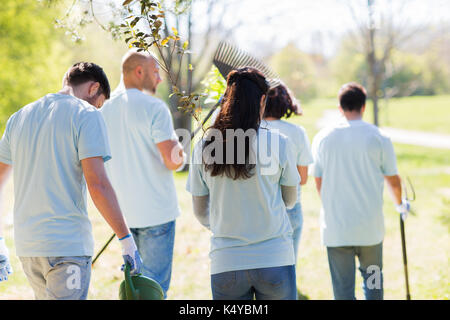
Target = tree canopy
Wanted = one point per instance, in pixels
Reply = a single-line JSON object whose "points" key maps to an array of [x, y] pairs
{"points": [[32, 55]]}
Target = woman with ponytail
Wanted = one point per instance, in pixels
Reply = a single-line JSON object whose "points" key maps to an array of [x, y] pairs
{"points": [[242, 178]]}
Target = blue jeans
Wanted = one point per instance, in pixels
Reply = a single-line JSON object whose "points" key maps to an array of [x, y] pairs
{"points": [[277, 283], [155, 245], [296, 218], [342, 267]]}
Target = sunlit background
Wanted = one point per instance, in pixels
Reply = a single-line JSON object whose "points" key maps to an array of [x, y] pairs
{"points": [[315, 47]]}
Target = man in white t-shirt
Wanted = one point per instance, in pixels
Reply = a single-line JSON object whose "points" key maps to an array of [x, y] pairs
{"points": [[145, 151], [351, 161], [57, 145]]}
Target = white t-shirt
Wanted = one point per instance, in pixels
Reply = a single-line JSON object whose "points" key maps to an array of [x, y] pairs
{"points": [[145, 188], [45, 142], [352, 159], [248, 217], [299, 142]]}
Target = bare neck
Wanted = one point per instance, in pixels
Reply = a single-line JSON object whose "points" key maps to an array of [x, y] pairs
{"points": [[67, 90], [350, 116], [130, 84]]}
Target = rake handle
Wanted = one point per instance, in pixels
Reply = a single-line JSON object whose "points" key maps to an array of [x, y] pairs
{"points": [[103, 249], [405, 259], [206, 119]]}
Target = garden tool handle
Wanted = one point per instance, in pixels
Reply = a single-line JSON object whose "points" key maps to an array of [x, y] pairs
{"points": [[129, 287]]}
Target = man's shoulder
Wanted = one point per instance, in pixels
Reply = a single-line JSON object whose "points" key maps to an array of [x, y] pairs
{"points": [[377, 132], [138, 99], [146, 99], [68, 103], [293, 128], [82, 108], [324, 133]]}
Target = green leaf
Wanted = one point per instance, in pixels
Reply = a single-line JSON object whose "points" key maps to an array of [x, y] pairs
{"points": [[135, 20], [126, 2]]}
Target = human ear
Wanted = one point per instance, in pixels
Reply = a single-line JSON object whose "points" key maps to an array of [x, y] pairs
{"points": [[139, 71], [93, 89]]}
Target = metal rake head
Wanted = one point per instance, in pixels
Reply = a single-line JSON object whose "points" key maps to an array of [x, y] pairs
{"points": [[411, 188], [229, 57], [409, 196]]}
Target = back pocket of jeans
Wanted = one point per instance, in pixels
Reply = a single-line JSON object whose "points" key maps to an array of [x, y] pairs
{"points": [[224, 280], [273, 277]]}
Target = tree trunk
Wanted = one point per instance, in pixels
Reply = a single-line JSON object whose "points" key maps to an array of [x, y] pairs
{"points": [[375, 109], [373, 65]]}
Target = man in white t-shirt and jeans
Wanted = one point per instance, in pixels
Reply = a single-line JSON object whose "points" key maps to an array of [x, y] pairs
{"points": [[351, 162], [145, 151]]}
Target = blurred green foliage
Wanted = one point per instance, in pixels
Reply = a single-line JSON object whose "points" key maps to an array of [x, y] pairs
{"points": [[32, 55], [298, 70], [422, 68], [214, 86], [409, 71]]}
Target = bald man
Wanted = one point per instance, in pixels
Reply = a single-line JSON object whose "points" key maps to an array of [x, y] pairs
{"points": [[145, 150]]}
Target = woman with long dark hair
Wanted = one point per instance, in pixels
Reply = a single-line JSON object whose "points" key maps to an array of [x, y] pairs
{"points": [[281, 103], [249, 177]]}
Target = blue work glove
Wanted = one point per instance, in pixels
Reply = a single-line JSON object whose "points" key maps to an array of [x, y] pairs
{"points": [[130, 254], [403, 208], [5, 266]]}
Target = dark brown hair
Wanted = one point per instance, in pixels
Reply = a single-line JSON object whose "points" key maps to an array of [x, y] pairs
{"points": [[280, 103], [82, 72], [240, 109], [352, 96]]}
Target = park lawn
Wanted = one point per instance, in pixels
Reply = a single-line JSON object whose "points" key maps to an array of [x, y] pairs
{"points": [[427, 237], [417, 113]]}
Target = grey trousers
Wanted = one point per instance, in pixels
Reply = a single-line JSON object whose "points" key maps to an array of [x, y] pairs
{"points": [[58, 278], [342, 267]]}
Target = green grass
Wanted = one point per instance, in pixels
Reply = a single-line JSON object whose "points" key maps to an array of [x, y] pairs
{"points": [[427, 235], [430, 114], [417, 113]]}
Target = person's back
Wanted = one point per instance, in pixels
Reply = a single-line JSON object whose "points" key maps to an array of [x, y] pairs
{"points": [[249, 175], [57, 145], [145, 188], [248, 221], [50, 213], [299, 142], [145, 151], [354, 164], [351, 162]]}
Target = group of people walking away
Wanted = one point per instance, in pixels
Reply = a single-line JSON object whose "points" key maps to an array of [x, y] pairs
{"points": [[245, 177]]}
